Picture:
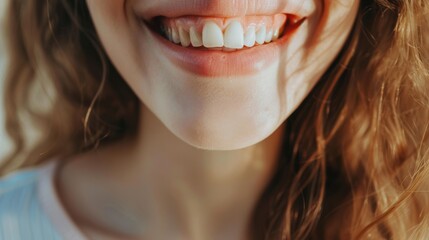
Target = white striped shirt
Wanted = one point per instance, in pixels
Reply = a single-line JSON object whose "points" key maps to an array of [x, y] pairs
{"points": [[30, 208]]}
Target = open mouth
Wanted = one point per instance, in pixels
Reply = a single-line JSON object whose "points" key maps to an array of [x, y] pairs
{"points": [[216, 46], [224, 34]]}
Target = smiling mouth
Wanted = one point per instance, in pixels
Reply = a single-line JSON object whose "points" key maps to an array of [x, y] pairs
{"points": [[224, 34], [217, 46]]}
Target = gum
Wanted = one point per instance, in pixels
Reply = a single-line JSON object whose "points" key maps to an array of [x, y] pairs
{"points": [[270, 22]]}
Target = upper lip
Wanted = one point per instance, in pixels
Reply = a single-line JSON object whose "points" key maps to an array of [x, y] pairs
{"points": [[222, 8]]}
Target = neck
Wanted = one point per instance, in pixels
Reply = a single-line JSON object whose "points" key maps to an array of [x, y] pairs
{"points": [[208, 193], [177, 190]]}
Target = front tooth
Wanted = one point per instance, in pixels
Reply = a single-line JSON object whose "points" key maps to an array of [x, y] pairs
{"points": [[234, 35], [175, 35], [195, 37], [212, 35], [250, 36], [184, 37], [276, 34], [269, 36], [260, 35]]}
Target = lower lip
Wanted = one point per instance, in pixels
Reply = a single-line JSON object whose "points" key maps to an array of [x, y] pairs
{"points": [[211, 63]]}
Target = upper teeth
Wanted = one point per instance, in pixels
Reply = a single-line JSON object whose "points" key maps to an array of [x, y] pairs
{"points": [[250, 37], [235, 36], [212, 35], [196, 38]]}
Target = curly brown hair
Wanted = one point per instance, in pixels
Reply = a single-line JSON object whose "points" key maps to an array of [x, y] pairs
{"points": [[355, 155]]}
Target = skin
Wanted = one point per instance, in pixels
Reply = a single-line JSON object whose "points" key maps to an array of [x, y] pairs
{"points": [[181, 178]]}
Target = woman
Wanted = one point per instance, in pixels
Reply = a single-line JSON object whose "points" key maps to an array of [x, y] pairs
{"points": [[275, 119]]}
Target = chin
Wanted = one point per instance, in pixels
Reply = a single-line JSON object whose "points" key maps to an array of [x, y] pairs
{"points": [[226, 133]]}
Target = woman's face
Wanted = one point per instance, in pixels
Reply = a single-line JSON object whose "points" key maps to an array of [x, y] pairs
{"points": [[222, 74]]}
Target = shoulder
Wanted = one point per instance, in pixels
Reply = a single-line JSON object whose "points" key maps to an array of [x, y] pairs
{"points": [[20, 210]]}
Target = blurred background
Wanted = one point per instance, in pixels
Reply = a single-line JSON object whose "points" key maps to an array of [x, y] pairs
{"points": [[4, 143]]}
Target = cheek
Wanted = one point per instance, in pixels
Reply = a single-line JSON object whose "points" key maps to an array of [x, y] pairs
{"points": [[112, 23], [105, 13], [336, 22], [316, 45], [339, 15], [129, 48]]}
